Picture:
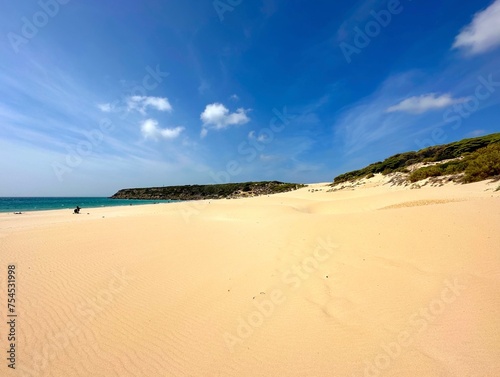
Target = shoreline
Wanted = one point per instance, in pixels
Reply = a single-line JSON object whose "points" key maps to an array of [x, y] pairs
{"points": [[317, 194], [135, 202]]}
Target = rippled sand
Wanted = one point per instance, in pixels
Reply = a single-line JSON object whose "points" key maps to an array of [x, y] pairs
{"points": [[375, 281]]}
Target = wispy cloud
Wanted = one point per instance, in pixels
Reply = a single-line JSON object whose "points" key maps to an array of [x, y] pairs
{"points": [[151, 130], [424, 103], [105, 107], [203, 87], [270, 157], [363, 124], [367, 121], [483, 33], [142, 103], [59, 112], [217, 116]]}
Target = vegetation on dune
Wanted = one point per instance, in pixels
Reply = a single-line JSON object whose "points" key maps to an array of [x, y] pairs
{"points": [[483, 164], [479, 161], [217, 191], [447, 168], [480, 165]]}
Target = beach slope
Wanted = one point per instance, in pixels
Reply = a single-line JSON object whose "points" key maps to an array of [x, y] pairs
{"points": [[367, 281]]}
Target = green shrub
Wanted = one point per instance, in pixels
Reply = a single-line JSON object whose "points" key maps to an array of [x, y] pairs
{"points": [[436, 153], [454, 167], [426, 172], [411, 162], [483, 164], [479, 165]]}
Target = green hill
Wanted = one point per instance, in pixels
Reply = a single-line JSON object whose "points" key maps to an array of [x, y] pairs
{"points": [[477, 158], [217, 191]]}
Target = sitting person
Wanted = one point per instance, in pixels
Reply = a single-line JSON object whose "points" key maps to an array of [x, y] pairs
{"points": [[77, 210]]}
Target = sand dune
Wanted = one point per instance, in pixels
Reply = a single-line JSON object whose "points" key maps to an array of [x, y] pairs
{"points": [[373, 281]]}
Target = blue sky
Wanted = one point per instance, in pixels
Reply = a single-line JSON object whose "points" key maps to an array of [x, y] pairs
{"points": [[101, 95]]}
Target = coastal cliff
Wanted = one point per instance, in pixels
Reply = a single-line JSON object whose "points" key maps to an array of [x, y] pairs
{"points": [[197, 192]]}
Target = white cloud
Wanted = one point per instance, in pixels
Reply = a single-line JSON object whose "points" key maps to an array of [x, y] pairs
{"points": [[218, 117], [235, 97], [171, 133], [424, 103], [483, 33], [105, 107], [142, 103], [150, 130]]}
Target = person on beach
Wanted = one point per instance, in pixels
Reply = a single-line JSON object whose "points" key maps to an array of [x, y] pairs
{"points": [[77, 210]]}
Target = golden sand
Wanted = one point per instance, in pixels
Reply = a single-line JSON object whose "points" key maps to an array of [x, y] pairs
{"points": [[374, 281]]}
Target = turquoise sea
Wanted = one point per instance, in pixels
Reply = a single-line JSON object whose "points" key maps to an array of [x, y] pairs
{"points": [[43, 204]]}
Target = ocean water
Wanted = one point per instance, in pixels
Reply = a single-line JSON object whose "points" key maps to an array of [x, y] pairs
{"points": [[43, 204]]}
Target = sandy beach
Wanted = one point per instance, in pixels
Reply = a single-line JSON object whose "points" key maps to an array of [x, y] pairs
{"points": [[369, 281]]}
